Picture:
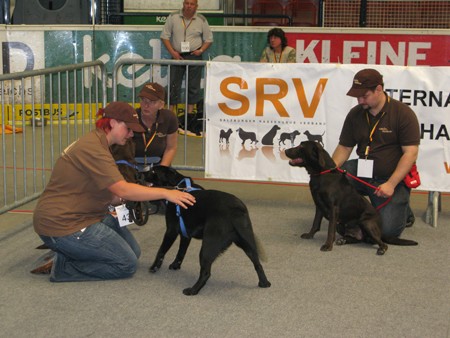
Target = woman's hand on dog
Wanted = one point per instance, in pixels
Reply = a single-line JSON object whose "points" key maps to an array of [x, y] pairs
{"points": [[137, 192], [183, 199]]}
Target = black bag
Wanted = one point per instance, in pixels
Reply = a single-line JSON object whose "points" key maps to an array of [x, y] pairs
{"points": [[194, 120]]}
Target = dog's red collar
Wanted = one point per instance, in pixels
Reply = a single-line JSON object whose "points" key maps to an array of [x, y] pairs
{"points": [[332, 169]]}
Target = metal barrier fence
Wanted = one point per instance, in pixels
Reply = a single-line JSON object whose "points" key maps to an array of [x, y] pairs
{"points": [[140, 71], [42, 112], [137, 72]]}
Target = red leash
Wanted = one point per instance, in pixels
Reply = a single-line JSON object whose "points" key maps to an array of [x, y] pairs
{"points": [[359, 180]]}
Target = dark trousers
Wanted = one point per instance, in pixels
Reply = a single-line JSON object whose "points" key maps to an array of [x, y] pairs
{"points": [[177, 73], [395, 212]]}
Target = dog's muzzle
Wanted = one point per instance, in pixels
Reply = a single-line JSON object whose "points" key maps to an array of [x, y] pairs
{"points": [[296, 162]]}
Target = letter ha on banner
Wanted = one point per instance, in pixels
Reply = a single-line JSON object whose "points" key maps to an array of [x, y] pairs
{"points": [[255, 111]]}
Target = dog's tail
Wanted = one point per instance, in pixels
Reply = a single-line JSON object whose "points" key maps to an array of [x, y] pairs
{"points": [[243, 226], [399, 241], [260, 249]]}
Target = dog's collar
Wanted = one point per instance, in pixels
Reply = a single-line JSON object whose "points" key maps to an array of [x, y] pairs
{"points": [[331, 170], [188, 185], [142, 168], [127, 163]]}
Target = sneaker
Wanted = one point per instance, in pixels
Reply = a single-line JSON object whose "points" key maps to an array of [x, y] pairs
{"points": [[187, 132]]}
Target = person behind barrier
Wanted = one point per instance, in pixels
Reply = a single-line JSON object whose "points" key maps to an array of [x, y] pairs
{"points": [[186, 35], [158, 143], [277, 50], [73, 215], [386, 135]]}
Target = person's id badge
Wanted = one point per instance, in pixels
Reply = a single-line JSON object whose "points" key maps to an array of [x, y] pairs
{"points": [[123, 215], [365, 168], [185, 47]]}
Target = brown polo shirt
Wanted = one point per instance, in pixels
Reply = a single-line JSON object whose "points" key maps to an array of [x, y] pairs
{"points": [[395, 126], [77, 194]]}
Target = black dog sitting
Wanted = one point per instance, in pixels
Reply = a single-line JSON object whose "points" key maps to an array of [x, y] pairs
{"points": [[217, 217], [338, 201]]}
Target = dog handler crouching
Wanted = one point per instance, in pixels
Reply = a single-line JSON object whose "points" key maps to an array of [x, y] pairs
{"points": [[387, 135], [72, 215]]}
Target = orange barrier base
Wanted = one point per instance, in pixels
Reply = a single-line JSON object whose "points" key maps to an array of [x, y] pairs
{"points": [[10, 129]]}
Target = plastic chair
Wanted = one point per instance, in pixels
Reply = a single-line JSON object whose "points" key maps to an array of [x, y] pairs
{"points": [[303, 12], [268, 7]]}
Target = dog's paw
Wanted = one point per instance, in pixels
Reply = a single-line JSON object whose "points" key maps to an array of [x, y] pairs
{"points": [[307, 235], [341, 241], [175, 265], [381, 251], [264, 284], [156, 265], [153, 268], [189, 292], [326, 247]]}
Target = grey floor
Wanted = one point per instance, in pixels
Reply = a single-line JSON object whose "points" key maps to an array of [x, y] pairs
{"points": [[348, 292]]}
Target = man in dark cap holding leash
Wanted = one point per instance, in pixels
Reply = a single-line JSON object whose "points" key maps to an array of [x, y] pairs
{"points": [[386, 134]]}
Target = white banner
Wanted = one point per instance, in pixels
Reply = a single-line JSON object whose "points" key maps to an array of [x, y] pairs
{"points": [[255, 111]]}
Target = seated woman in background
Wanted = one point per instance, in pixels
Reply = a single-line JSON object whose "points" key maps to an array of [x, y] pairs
{"points": [[158, 144], [278, 51]]}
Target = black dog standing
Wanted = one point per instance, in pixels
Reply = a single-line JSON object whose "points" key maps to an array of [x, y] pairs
{"points": [[338, 201], [217, 217]]}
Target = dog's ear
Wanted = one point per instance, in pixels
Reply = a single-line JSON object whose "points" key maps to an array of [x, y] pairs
{"points": [[150, 176], [325, 160], [175, 176], [167, 176], [321, 158], [319, 153]]}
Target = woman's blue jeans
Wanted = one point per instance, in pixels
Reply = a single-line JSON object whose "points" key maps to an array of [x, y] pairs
{"points": [[104, 250], [394, 213]]}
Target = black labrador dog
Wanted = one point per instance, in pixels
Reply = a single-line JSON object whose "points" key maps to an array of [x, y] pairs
{"points": [[217, 217], [338, 201]]}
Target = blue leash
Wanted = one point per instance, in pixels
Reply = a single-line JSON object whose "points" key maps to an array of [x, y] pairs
{"points": [[138, 167], [188, 188], [127, 163]]}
